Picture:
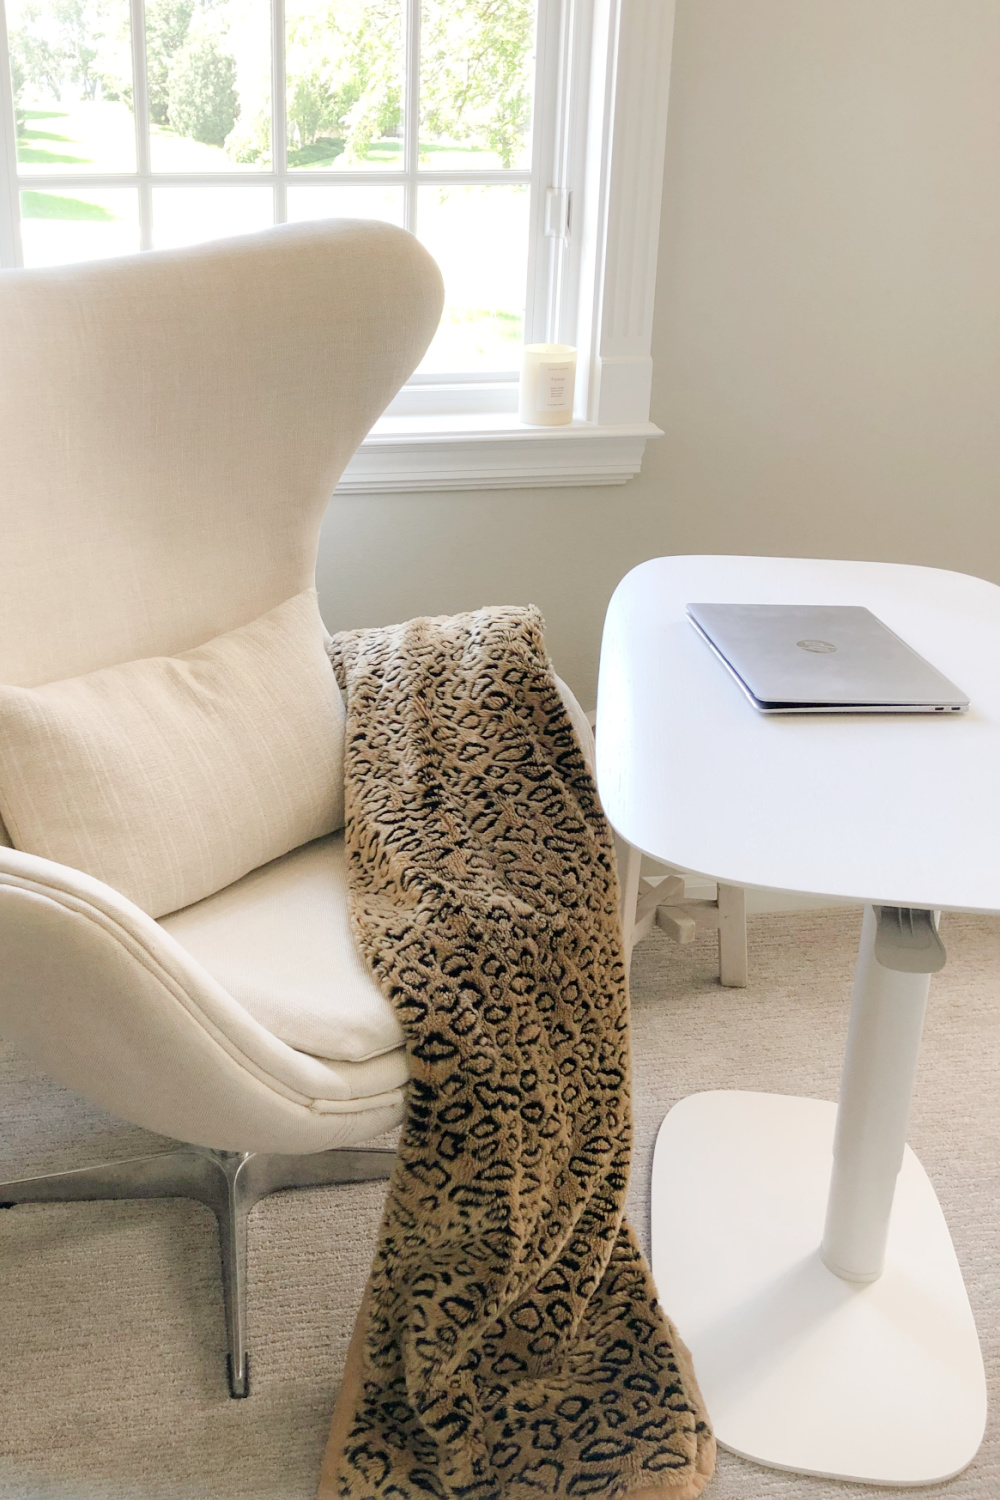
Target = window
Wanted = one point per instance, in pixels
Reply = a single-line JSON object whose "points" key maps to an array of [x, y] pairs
{"points": [[507, 134]]}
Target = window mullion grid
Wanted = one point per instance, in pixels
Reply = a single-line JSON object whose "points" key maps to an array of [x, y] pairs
{"points": [[279, 114], [542, 151], [279, 176], [443, 178], [545, 312], [140, 115], [558, 245], [411, 123], [538, 310], [10, 203]]}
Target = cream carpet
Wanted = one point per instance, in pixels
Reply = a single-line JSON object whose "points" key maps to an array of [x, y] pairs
{"points": [[112, 1375]]}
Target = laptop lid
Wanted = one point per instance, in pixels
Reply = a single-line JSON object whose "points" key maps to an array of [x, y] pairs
{"points": [[822, 658]]}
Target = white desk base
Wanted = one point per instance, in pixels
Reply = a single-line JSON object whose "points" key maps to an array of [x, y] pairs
{"points": [[880, 1382]]}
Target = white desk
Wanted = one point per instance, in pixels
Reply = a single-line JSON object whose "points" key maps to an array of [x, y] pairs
{"points": [[872, 1372]]}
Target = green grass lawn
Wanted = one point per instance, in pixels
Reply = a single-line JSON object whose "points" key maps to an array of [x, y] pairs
{"points": [[31, 154], [89, 136], [99, 135], [54, 206], [321, 153], [36, 205]]}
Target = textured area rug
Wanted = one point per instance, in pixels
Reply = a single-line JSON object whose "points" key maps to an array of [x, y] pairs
{"points": [[112, 1369], [514, 1345]]}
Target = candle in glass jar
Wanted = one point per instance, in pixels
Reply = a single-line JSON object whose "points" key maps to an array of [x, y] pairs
{"points": [[545, 397]]}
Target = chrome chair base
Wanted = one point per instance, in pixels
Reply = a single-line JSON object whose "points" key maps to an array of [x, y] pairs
{"points": [[227, 1182]]}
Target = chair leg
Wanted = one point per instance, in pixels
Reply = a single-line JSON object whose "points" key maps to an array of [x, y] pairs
{"points": [[629, 870], [248, 1179], [232, 1208], [732, 936], [227, 1182]]}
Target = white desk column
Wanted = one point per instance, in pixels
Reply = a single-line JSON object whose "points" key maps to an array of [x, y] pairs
{"points": [[883, 1042]]}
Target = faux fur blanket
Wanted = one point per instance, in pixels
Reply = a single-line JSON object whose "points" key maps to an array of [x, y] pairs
{"points": [[514, 1346]]}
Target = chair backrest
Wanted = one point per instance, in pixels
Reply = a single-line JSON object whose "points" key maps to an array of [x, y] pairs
{"points": [[172, 426]]}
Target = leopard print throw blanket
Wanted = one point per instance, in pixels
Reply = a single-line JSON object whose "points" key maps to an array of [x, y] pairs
{"points": [[514, 1347]]}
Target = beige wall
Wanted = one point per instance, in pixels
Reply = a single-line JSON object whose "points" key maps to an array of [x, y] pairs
{"points": [[827, 340]]}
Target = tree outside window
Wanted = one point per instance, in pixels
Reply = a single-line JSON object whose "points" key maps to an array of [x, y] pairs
{"points": [[353, 86]]}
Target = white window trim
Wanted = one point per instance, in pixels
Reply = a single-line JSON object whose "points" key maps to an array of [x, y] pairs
{"points": [[601, 136], [10, 212], [605, 142], [496, 452]]}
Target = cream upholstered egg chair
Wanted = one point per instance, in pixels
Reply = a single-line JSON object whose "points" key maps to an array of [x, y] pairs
{"points": [[172, 426]]}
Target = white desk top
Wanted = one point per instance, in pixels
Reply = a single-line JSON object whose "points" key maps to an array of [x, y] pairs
{"points": [[900, 809]]}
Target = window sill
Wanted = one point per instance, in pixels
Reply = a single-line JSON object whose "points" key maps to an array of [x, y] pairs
{"points": [[492, 451]]}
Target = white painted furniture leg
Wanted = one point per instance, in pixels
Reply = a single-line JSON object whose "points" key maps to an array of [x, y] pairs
{"points": [[646, 904], [629, 869], [732, 936]]}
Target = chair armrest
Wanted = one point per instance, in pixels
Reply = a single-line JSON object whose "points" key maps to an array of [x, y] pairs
{"points": [[580, 723], [111, 1005]]}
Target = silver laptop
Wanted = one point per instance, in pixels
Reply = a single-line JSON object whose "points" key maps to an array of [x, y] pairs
{"points": [[822, 659]]}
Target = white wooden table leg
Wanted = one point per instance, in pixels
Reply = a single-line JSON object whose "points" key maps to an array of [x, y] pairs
{"points": [[732, 936], [629, 870]]}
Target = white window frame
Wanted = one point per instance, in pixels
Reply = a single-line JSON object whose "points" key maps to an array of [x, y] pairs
{"points": [[596, 174]]}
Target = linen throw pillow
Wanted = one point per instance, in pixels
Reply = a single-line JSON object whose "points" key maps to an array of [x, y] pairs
{"points": [[171, 777]]}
